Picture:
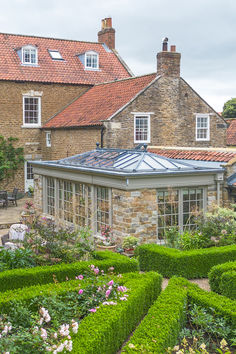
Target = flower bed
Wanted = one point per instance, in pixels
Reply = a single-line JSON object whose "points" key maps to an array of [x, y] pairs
{"points": [[107, 328], [19, 278], [189, 264], [161, 327], [222, 279]]}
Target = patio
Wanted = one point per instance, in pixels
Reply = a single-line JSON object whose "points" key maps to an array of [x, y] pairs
{"points": [[11, 215]]}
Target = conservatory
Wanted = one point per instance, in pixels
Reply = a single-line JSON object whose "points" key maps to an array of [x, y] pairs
{"points": [[133, 191]]}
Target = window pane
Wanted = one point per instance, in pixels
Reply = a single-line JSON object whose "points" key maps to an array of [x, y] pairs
{"points": [[50, 196], [103, 208], [168, 210], [141, 128], [31, 110]]}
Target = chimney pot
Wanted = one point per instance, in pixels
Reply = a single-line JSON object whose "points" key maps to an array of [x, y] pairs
{"points": [[168, 63], [165, 44], [107, 33], [173, 48]]}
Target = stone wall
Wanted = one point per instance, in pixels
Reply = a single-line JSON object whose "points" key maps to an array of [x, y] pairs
{"points": [[173, 105], [53, 98], [68, 142], [38, 193]]}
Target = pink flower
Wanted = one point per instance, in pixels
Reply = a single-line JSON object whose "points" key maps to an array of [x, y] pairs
{"points": [[92, 310], [81, 291], [123, 298], [92, 266], [122, 288], [96, 270], [108, 293], [111, 269], [80, 277], [111, 282]]}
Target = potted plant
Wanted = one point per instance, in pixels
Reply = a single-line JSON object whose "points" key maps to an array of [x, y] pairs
{"points": [[129, 243], [106, 241], [29, 212]]}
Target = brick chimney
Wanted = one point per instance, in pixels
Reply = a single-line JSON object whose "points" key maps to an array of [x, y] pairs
{"points": [[168, 62], [107, 33]]}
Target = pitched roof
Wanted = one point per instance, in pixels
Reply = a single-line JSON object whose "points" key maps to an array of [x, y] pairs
{"points": [[231, 132], [124, 162], [99, 103], [70, 70], [200, 155]]}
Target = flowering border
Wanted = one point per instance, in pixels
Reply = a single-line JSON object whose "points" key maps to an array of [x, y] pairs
{"points": [[19, 278], [161, 327]]}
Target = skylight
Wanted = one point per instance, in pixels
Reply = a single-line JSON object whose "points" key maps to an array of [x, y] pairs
{"points": [[55, 55]]}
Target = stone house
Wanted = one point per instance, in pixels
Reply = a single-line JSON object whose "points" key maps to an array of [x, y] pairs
{"points": [[136, 192], [39, 76], [159, 109]]}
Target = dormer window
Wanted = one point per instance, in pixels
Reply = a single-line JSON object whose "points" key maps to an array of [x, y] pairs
{"points": [[29, 55], [91, 60]]}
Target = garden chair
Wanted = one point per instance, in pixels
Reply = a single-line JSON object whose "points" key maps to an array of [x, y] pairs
{"points": [[3, 198], [12, 197]]}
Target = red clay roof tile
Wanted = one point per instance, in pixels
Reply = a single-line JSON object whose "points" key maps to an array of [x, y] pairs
{"points": [[201, 155], [99, 103], [67, 71]]}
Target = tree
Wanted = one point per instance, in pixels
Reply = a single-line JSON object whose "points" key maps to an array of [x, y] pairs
{"points": [[229, 109], [10, 157]]}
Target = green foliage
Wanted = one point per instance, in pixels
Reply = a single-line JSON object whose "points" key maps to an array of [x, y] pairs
{"points": [[53, 245], [18, 278], [10, 157], [18, 258], [190, 264], [205, 326], [190, 240], [222, 279], [160, 329], [229, 109], [129, 242], [107, 329]]}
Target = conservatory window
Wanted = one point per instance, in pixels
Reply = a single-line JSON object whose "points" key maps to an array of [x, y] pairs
{"points": [[50, 196], [178, 207], [83, 204], [103, 208]]}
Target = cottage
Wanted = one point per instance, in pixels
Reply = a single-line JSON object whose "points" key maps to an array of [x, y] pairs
{"points": [[136, 192], [39, 76]]}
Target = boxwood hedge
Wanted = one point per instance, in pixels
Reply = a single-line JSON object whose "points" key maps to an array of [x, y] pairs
{"points": [[222, 279], [105, 330], [189, 264], [160, 328], [19, 278]]}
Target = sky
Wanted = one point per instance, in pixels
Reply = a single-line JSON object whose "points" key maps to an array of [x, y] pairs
{"points": [[204, 32]]}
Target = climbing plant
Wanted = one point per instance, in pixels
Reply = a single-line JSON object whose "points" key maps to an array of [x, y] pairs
{"points": [[10, 157]]}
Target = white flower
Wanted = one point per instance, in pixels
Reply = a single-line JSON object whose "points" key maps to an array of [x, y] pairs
{"points": [[55, 334], [43, 333], [75, 326], [60, 348]]}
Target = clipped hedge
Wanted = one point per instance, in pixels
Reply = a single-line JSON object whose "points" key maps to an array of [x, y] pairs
{"points": [[105, 330], [189, 264], [161, 327], [222, 279], [19, 278]]}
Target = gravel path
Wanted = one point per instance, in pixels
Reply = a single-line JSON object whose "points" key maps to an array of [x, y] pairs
{"points": [[202, 283]]}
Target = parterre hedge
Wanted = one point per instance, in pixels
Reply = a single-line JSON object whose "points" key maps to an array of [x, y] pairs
{"points": [[189, 264], [19, 278], [160, 328], [222, 279], [105, 330]]}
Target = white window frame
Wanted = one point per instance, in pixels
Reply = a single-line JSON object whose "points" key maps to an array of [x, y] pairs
{"points": [[32, 125], [146, 116], [31, 48], [48, 139], [85, 60], [203, 115], [55, 57]]}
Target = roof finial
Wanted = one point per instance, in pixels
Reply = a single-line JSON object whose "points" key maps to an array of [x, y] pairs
{"points": [[145, 147], [97, 145]]}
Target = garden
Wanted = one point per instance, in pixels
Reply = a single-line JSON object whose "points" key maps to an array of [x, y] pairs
{"points": [[59, 294]]}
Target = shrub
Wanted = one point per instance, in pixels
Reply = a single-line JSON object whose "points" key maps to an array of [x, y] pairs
{"points": [[161, 327], [105, 330], [19, 278], [189, 264], [222, 279], [18, 258]]}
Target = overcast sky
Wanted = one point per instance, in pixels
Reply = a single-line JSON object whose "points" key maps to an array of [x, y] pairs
{"points": [[204, 31]]}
